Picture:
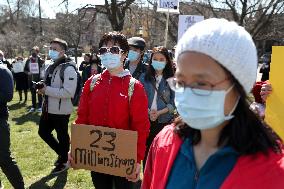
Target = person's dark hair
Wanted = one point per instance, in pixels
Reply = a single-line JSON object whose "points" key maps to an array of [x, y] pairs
{"points": [[35, 48], [246, 132], [168, 70], [61, 42], [117, 38], [95, 60], [88, 55], [19, 58]]}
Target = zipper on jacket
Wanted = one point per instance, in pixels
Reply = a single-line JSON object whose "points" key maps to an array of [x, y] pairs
{"points": [[196, 177], [106, 108], [59, 104], [54, 76]]}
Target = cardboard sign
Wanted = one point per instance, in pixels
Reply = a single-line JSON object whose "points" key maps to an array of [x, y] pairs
{"points": [[171, 6], [274, 113], [34, 68], [186, 21], [104, 150]]}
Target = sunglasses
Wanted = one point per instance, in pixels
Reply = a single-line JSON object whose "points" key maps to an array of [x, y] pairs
{"points": [[113, 50]]}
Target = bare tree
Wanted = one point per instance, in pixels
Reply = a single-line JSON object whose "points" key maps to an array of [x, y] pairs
{"points": [[71, 26], [254, 15], [115, 11]]}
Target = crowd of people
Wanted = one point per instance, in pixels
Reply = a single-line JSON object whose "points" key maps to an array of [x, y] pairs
{"points": [[196, 127]]}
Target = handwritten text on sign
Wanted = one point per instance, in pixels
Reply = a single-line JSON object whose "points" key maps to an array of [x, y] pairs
{"points": [[105, 150], [186, 21], [168, 4], [34, 68]]}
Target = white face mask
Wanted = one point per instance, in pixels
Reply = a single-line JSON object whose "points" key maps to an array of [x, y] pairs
{"points": [[203, 112]]}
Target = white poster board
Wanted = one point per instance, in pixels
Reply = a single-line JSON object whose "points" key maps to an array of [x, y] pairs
{"points": [[34, 68], [171, 6], [18, 67], [186, 21]]}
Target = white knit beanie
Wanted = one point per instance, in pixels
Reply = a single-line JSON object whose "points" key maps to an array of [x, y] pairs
{"points": [[226, 42]]}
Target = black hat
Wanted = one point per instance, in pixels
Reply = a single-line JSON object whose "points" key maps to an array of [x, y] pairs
{"points": [[137, 42]]}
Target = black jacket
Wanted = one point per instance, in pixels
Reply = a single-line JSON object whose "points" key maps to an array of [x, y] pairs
{"points": [[33, 77], [141, 68], [9, 66], [6, 90]]}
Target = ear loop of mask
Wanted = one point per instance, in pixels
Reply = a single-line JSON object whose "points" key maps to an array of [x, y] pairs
{"points": [[230, 116]]}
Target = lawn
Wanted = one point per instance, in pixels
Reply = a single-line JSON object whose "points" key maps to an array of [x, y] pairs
{"points": [[34, 157]]}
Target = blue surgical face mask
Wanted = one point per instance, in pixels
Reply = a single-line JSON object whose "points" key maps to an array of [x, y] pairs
{"points": [[110, 61], [158, 65], [132, 55], [203, 112], [53, 54]]}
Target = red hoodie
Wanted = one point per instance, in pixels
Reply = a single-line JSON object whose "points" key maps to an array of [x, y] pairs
{"points": [[108, 105], [250, 172]]}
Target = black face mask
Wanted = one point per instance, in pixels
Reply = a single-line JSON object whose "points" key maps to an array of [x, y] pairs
{"points": [[34, 55]]}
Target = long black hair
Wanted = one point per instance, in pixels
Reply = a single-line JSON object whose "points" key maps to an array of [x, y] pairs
{"points": [[246, 132], [168, 70]]}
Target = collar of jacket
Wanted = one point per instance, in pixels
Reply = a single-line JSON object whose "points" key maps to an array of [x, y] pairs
{"points": [[59, 61], [139, 65], [124, 73]]}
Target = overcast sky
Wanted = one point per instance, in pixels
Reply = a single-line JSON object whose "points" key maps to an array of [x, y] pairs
{"points": [[50, 7]]}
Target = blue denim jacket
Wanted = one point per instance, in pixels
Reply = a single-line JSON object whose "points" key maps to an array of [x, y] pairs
{"points": [[164, 90]]}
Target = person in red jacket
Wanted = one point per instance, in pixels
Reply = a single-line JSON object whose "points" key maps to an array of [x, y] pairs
{"points": [[258, 106], [218, 142], [105, 101]]}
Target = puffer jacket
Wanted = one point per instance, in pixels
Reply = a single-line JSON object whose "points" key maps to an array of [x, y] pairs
{"points": [[108, 105], [60, 93]]}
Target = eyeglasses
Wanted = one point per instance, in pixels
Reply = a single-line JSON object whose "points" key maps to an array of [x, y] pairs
{"points": [[199, 88], [114, 50]]}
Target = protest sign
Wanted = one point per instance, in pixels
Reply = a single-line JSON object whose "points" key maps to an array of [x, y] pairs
{"points": [[104, 150], [34, 68], [186, 21], [18, 67], [274, 113], [171, 6]]}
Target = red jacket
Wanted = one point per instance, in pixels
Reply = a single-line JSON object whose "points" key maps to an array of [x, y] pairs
{"points": [[256, 91], [258, 171], [108, 105]]}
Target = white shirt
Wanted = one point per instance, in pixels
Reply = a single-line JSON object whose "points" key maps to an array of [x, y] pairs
{"points": [[154, 103]]}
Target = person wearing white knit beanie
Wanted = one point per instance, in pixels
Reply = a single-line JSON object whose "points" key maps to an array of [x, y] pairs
{"points": [[217, 142]]}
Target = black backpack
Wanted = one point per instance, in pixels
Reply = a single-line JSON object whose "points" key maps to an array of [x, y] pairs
{"points": [[76, 98]]}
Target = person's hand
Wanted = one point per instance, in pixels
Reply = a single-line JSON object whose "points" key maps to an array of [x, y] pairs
{"points": [[265, 91], [153, 115], [70, 160], [42, 90], [136, 175]]}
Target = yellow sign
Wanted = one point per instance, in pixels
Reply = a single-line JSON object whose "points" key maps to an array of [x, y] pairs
{"points": [[274, 113], [104, 150]]}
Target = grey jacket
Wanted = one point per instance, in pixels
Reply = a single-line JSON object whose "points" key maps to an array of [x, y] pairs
{"points": [[60, 93]]}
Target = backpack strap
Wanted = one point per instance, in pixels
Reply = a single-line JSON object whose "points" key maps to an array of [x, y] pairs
{"points": [[131, 87], [64, 66], [93, 82]]}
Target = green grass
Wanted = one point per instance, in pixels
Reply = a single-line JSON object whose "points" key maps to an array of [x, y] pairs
{"points": [[34, 157]]}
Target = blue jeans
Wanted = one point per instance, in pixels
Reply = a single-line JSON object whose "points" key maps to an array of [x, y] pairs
{"points": [[7, 163]]}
